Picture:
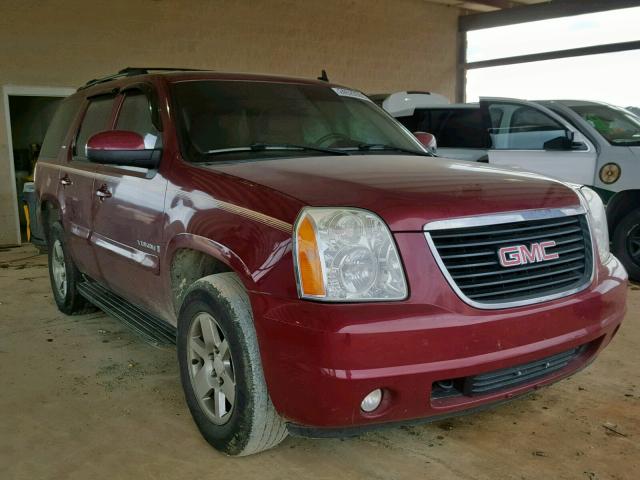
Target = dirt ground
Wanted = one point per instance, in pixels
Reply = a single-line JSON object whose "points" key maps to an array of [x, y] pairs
{"points": [[83, 398]]}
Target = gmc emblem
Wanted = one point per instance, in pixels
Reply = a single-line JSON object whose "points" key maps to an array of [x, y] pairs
{"points": [[521, 254]]}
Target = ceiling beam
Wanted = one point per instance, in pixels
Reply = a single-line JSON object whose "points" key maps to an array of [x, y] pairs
{"points": [[539, 11], [496, 3], [571, 52]]}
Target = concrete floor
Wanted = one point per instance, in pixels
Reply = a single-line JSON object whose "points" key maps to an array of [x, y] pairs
{"points": [[83, 398]]}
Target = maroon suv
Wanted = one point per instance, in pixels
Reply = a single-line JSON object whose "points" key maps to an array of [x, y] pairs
{"points": [[319, 271]]}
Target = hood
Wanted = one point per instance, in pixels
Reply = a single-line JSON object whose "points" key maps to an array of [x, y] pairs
{"points": [[406, 191]]}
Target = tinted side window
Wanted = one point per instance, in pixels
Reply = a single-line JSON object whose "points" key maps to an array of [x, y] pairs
{"points": [[453, 127], [462, 129], [135, 116], [434, 121], [57, 131], [96, 119], [411, 122]]}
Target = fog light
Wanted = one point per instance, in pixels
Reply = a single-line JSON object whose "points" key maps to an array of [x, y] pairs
{"points": [[371, 401]]}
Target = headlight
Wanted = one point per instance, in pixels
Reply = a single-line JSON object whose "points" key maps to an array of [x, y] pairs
{"points": [[598, 221], [346, 254]]}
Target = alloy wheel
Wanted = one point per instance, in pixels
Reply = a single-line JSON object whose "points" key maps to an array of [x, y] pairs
{"points": [[211, 368], [59, 269]]}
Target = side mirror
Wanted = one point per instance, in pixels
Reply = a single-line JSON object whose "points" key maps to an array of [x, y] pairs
{"points": [[427, 140], [121, 147], [559, 143], [570, 141]]}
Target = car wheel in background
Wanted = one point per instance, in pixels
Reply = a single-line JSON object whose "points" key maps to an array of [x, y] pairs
{"points": [[626, 243]]}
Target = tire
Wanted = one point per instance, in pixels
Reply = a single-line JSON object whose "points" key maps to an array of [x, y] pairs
{"points": [[216, 322], [626, 243], [64, 275]]}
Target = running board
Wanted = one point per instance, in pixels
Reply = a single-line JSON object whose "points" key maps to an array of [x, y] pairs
{"points": [[151, 328]]}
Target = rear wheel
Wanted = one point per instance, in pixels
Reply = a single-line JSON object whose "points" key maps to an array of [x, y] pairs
{"points": [[626, 243], [221, 370], [64, 275]]}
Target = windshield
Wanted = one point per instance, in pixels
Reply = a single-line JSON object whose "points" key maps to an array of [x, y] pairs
{"points": [[226, 120], [617, 125]]}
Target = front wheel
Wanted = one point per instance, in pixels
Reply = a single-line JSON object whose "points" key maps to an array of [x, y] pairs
{"points": [[626, 243], [221, 371]]}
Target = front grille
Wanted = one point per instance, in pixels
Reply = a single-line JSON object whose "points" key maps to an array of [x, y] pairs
{"points": [[469, 258], [505, 378]]}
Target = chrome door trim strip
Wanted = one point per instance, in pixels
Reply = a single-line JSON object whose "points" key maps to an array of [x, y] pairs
{"points": [[496, 219], [79, 231], [143, 259], [77, 171]]}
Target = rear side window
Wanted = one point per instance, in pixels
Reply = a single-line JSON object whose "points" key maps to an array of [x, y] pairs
{"points": [[462, 129], [135, 116], [453, 127], [59, 127], [96, 119]]}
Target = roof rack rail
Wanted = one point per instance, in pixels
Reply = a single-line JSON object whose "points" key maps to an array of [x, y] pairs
{"points": [[131, 71]]}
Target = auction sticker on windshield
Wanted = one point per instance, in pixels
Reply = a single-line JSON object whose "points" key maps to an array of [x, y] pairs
{"points": [[347, 92]]}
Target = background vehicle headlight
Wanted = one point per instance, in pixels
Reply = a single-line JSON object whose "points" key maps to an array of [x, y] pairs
{"points": [[598, 221], [346, 254]]}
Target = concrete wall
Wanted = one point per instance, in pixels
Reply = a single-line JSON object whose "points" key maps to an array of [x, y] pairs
{"points": [[373, 45]]}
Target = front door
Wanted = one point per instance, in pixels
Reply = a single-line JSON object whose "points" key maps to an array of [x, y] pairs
{"points": [[129, 213], [531, 137]]}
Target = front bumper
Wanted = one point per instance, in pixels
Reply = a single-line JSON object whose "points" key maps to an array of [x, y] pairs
{"points": [[320, 360]]}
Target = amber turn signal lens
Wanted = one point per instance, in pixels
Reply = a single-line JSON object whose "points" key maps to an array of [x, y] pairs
{"points": [[309, 265]]}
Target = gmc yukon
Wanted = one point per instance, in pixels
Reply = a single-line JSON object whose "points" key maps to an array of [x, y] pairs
{"points": [[319, 272]]}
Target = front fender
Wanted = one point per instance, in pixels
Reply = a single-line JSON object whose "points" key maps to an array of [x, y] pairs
{"points": [[262, 257]]}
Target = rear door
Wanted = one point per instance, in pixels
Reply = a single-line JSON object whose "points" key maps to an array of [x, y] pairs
{"points": [[77, 178], [128, 205], [528, 136]]}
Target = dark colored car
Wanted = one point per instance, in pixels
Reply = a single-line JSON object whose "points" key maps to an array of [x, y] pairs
{"points": [[321, 274]]}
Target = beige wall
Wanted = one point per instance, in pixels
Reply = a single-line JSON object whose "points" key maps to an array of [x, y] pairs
{"points": [[373, 45]]}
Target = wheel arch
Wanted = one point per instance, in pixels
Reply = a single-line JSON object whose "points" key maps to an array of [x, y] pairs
{"points": [[620, 205], [48, 212], [191, 257]]}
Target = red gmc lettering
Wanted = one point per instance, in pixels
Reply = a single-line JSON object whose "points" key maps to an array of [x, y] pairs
{"points": [[521, 254]]}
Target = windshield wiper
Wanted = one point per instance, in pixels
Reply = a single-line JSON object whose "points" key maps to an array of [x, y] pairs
{"points": [[365, 147], [261, 147]]}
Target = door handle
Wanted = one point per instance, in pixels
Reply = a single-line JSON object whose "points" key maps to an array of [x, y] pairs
{"points": [[103, 192], [65, 181]]}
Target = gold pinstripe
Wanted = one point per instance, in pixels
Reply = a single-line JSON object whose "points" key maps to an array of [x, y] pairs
{"points": [[257, 216]]}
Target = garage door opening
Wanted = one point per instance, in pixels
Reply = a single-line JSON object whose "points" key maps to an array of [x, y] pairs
{"points": [[29, 117], [28, 111]]}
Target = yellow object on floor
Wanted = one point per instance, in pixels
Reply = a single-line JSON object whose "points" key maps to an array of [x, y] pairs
{"points": [[28, 220]]}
